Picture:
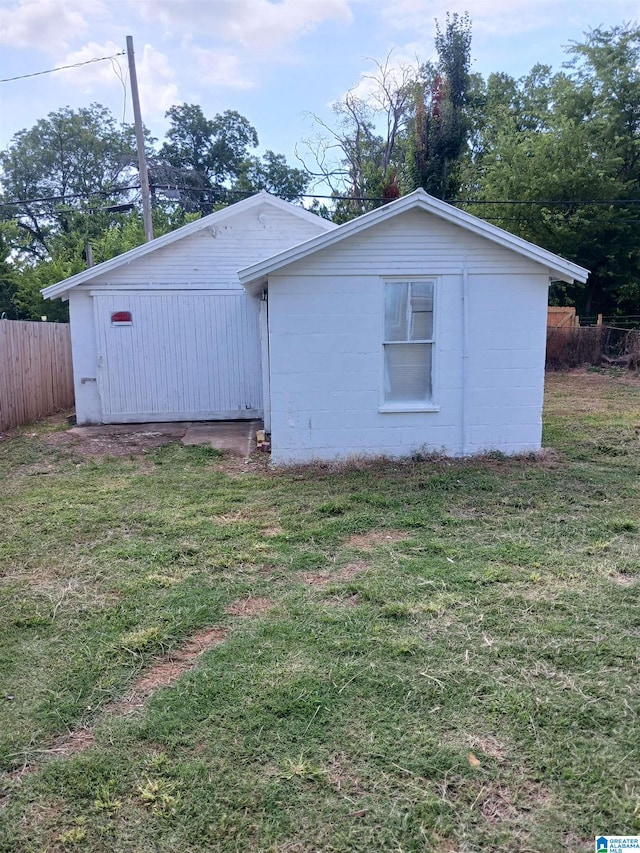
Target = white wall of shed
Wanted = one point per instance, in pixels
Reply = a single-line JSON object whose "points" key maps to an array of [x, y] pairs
{"points": [[326, 317], [205, 260], [84, 351], [211, 258]]}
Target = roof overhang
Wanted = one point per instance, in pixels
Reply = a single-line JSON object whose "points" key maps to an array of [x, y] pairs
{"points": [[255, 276], [61, 288]]}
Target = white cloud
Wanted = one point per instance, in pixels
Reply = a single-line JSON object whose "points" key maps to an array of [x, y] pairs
{"points": [[492, 17], [47, 25], [223, 69], [156, 83], [259, 25], [495, 16], [90, 76], [156, 78]]}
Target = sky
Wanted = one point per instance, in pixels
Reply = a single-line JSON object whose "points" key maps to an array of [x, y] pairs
{"points": [[277, 62]]}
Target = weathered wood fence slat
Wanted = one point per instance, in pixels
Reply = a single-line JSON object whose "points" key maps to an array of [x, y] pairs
{"points": [[36, 376]]}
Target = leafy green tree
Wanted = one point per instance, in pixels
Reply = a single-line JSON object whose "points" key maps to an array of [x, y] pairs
{"points": [[573, 139], [208, 161], [213, 147], [440, 127], [271, 173], [69, 160], [7, 277]]}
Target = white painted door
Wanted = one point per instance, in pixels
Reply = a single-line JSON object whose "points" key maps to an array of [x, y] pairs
{"points": [[183, 356]]}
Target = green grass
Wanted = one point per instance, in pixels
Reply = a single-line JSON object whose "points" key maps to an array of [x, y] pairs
{"points": [[450, 661]]}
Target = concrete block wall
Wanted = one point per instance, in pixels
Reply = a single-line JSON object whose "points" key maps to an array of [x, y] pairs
{"points": [[326, 359]]}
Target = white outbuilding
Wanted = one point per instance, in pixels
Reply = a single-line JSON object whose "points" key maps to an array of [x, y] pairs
{"points": [[165, 332], [414, 328]]}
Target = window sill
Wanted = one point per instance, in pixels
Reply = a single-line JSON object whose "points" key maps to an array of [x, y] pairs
{"points": [[408, 407]]}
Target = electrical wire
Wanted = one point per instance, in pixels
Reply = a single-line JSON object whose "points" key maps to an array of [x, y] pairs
{"points": [[224, 193], [61, 68], [121, 77], [114, 191]]}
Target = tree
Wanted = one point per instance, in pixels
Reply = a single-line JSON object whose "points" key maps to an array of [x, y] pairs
{"points": [[572, 139], [7, 277], [400, 128], [207, 161], [271, 173], [440, 127], [69, 161], [362, 156]]}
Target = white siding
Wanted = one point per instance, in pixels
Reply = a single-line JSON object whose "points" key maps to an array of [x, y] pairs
{"points": [[326, 319], [211, 258], [186, 356], [412, 243], [207, 260], [84, 351]]}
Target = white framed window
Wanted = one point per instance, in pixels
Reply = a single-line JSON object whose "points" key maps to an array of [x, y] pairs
{"points": [[408, 344]]}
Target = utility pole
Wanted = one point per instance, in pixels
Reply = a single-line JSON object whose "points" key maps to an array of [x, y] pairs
{"points": [[142, 160]]}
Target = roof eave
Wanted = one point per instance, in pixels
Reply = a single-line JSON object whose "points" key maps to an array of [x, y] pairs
{"points": [[62, 287], [564, 271]]}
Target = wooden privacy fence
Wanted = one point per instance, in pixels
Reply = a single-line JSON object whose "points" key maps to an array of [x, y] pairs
{"points": [[36, 377]]}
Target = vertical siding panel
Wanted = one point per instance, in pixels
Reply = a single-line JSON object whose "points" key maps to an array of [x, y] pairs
{"points": [[187, 355]]}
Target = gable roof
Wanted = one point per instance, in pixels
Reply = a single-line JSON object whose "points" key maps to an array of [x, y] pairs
{"points": [[255, 275], [209, 221]]}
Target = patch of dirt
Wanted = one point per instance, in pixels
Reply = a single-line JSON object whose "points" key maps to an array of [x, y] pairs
{"points": [[323, 579], [168, 669], [623, 580], [76, 742], [344, 600], [160, 674], [246, 607], [573, 843], [375, 538], [489, 746], [547, 457], [340, 775], [498, 803], [274, 530], [111, 442]]}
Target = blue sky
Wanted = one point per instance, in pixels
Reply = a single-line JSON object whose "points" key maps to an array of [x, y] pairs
{"points": [[275, 61]]}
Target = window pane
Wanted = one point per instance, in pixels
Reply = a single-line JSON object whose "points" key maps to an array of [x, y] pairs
{"points": [[407, 373], [421, 311], [395, 311]]}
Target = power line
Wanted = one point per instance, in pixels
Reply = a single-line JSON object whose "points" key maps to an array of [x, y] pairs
{"points": [[223, 193], [550, 202], [61, 68], [113, 191], [458, 201]]}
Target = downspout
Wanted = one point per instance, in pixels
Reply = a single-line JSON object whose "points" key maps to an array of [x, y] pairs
{"points": [[265, 359], [465, 357]]}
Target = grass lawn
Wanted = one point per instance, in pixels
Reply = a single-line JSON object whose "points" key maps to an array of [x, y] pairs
{"points": [[200, 655]]}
